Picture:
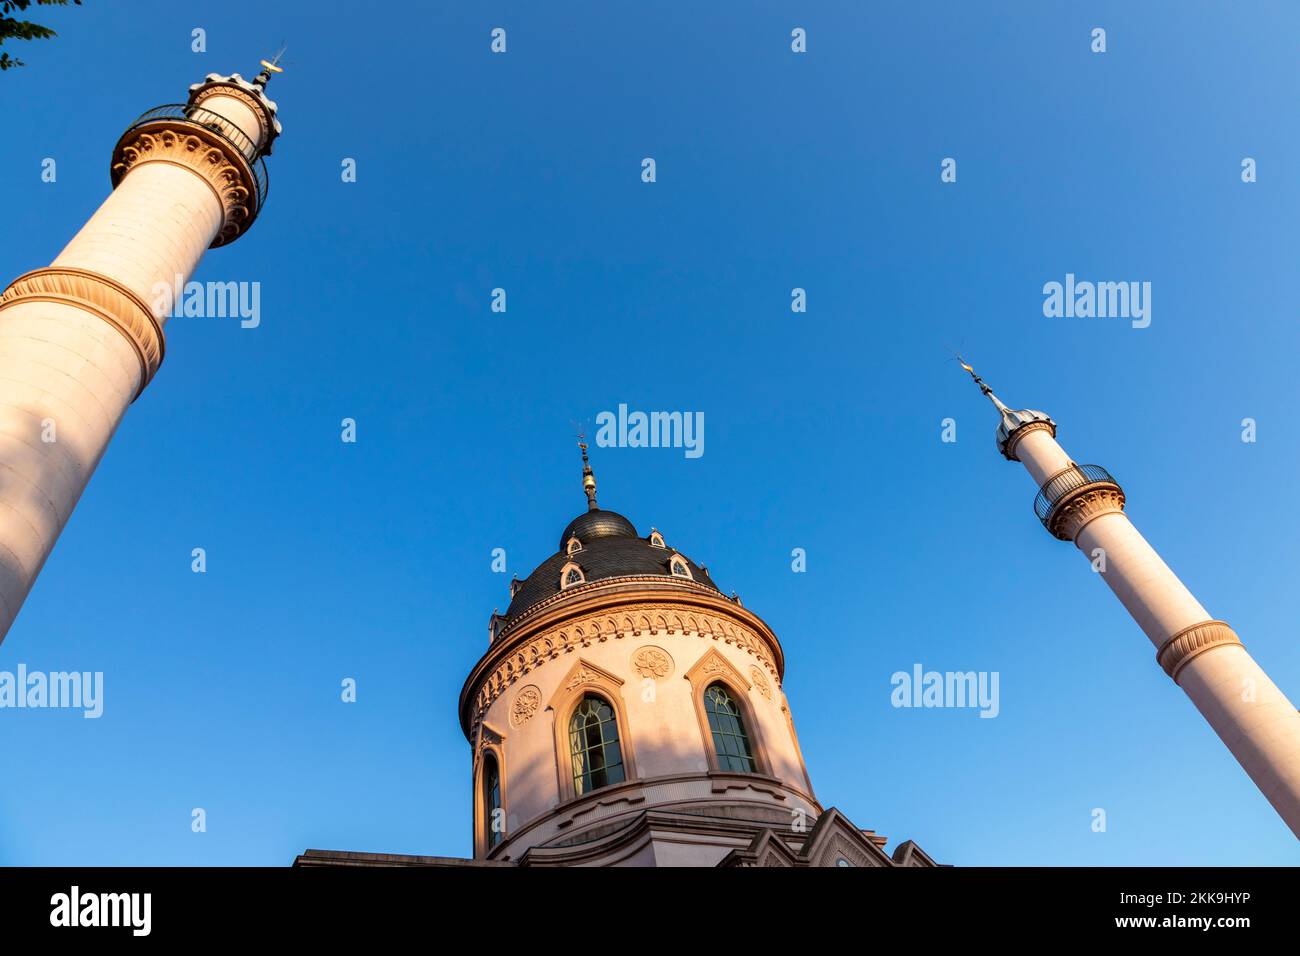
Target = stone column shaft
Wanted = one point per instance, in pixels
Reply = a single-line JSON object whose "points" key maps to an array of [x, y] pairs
{"points": [[1256, 721], [80, 339]]}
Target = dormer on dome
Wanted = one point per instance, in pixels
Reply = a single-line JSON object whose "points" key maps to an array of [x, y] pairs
{"points": [[573, 546], [656, 539], [515, 585], [678, 567], [571, 575]]}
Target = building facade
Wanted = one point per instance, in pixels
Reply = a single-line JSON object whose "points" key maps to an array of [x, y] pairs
{"points": [[628, 713]]}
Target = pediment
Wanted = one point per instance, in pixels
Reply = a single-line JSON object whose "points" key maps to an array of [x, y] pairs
{"points": [[585, 674], [834, 838], [713, 666]]}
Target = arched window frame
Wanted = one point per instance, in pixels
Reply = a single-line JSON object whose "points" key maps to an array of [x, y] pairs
{"points": [[677, 561], [564, 576], [573, 546], [656, 539], [586, 678], [712, 669], [490, 742]]}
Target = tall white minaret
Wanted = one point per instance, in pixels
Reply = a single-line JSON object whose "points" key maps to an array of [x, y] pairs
{"points": [[81, 338], [1084, 504]]}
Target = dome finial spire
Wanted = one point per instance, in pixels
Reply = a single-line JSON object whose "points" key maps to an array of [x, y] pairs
{"points": [[270, 68], [997, 402], [588, 477], [1015, 423]]}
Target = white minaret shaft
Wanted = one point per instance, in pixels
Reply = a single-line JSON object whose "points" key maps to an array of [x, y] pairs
{"points": [[1084, 504], [80, 339]]}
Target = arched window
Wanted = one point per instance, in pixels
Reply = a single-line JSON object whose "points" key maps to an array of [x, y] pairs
{"points": [[679, 568], [570, 575], [730, 742], [593, 744], [656, 539], [494, 823], [574, 546]]}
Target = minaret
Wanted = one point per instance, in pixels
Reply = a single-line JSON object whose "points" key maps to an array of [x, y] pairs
{"points": [[81, 338], [1084, 504]]}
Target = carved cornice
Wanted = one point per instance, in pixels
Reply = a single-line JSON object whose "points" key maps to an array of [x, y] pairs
{"points": [[618, 615], [102, 296], [1175, 652], [1075, 510], [541, 611], [207, 153]]}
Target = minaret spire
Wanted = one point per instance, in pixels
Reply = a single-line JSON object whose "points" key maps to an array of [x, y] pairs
{"points": [[1204, 656], [988, 392], [588, 479], [1013, 420], [81, 338]]}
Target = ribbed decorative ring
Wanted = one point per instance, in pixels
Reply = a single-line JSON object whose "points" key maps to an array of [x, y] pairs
{"points": [[102, 296], [1175, 652]]}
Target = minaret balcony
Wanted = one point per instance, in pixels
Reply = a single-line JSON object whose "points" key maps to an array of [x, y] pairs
{"points": [[1062, 497], [175, 115]]}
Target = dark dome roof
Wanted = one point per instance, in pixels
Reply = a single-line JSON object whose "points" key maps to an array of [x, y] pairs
{"points": [[597, 524], [610, 549]]}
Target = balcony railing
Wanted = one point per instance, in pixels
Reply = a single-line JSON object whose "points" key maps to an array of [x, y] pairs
{"points": [[1065, 482], [214, 123]]}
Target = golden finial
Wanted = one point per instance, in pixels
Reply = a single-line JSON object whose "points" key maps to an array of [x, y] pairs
{"points": [[588, 476], [984, 389], [270, 66]]}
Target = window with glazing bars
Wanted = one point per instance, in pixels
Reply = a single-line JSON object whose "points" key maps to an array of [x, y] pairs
{"points": [[730, 742], [492, 801], [594, 745]]}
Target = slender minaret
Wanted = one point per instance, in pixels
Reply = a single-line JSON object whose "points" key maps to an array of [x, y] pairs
{"points": [[81, 338], [1084, 504]]}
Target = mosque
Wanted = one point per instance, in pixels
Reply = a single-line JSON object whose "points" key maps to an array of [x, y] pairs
{"points": [[626, 711]]}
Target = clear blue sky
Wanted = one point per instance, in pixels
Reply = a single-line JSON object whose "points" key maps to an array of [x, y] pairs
{"points": [[372, 560]]}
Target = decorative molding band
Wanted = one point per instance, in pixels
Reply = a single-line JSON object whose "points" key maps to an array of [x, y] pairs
{"points": [[596, 588], [612, 623], [103, 296], [1014, 438], [1175, 652], [1074, 511], [207, 153]]}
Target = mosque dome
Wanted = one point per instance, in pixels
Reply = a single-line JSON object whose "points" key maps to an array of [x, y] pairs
{"points": [[596, 545], [597, 524], [604, 545]]}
